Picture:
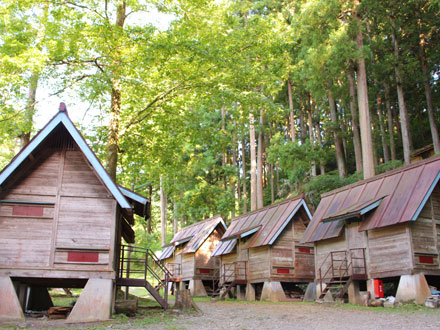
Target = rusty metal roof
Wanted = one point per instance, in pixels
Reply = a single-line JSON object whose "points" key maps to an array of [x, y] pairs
{"points": [[404, 192], [197, 233], [267, 223], [167, 252], [224, 247]]}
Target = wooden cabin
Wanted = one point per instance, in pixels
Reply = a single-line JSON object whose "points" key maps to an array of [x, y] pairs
{"points": [[387, 228], [261, 255], [189, 256], [62, 220]]}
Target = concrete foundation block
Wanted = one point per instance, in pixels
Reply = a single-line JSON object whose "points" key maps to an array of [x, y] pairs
{"points": [[353, 293], [94, 303], [250, 292], [310, 294], [10, 309], [413, 288], [272, 291], [39, 299], [241, 292], [197, 288], [370, 288], [328, 297]]}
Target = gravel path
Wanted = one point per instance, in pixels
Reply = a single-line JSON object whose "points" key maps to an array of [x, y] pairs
{"points": [[241, 315]]}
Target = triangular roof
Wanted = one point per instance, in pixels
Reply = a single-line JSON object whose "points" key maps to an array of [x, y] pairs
{"points": [[195, 234], [61, 118], [393, 197], [266, 223]]}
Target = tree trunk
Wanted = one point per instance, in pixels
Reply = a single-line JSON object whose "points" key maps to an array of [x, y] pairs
{"points": [[428, 95], [175, 218], [390, 122], [355, 122], [234, 165], [292, 118], [311, 135], [243, 169], [163, 212], [340, 160], [364, 112], [302, 123], [115, 110], [150, 195], [386, 154], [253, 163], [319, 137], [404, 120], [260, 162], [25, 136]]}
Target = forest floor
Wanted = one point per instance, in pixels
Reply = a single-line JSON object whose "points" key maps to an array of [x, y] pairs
{"points": [[242, 315]]}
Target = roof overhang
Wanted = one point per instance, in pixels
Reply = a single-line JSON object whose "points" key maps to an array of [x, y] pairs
{"points": [[425, 199], [355, 211], [208, 233]]}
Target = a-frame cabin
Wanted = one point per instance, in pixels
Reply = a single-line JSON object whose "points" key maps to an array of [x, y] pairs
{"points": [[62, 219], [261, 255], [385, 228], [189, 256]]}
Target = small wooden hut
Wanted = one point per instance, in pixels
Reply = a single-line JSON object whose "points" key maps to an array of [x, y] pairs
{"points": [[188, 256], [261, 255], [387, 228], [62, 219]]}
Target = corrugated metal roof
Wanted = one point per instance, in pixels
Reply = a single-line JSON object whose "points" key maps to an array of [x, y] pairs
{"points": [[404, 191], [271, 219], [197, 233], [355, 210], [167, 252], [224, 247]]}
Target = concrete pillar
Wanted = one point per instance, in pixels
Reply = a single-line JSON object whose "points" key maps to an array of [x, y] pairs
{"points": [[353, 293], [197, 288], [39, 299], [94, 303], [250, 292], [10, 309], [273, 291], [241, 292], [310, 294], [413, 288], [370, 288]]}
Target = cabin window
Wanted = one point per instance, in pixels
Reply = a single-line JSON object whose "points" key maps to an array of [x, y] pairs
{"points": [[81, 256]]}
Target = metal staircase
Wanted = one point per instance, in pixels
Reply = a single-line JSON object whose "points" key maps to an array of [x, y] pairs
{"points": [[232, 274], [140, 267], [342, 268]]}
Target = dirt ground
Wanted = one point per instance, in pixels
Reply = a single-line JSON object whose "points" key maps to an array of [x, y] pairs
{"points": [[243, 315]]}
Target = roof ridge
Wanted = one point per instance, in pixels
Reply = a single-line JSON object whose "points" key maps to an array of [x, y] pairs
{"points": [[269, 206], [383, 175], [200, 222]]}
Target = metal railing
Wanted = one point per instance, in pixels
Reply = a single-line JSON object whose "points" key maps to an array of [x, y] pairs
{"points": [[343, 264], [175, 269], [141, 263], [234, 271]]}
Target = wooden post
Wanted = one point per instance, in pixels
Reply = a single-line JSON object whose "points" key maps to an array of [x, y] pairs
{"points": [[127, 288]]}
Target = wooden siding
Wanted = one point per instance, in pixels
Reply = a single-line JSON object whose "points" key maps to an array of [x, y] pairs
{"points": [[259, 263], [282, 254], [304, 259], [188, 265], [203, 254], [389, 250], [80, 216]]}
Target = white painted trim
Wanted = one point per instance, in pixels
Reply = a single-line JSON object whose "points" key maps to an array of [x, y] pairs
{"points": [[219, 221], [132, 195], [12, 166], [250, 232], [425, 199], [62, 117], [280, 230]]}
